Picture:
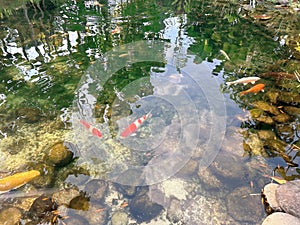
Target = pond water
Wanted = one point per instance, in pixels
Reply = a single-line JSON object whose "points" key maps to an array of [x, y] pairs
{"points": [[123, 108]]}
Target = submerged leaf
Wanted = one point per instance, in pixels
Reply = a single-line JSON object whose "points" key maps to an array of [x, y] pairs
{"points": [[279, 180]]}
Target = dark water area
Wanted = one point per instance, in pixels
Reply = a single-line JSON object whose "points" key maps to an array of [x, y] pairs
{"points": [[122, 112]]}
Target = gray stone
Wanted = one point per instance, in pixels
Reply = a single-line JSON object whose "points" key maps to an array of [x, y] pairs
{"points": [[279, 218], [143, 209], [288, 197], [119, 218], [96, 214], [174, 212], [244, 207], [96, 189], [269, 192], [228, 167], [189, 169], [209, 180]]}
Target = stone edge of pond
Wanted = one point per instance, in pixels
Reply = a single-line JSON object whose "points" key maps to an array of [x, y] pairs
{"points": [[281, 202]]}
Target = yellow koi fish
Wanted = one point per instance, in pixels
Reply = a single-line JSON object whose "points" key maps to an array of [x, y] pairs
{"points": [[17, 180]]}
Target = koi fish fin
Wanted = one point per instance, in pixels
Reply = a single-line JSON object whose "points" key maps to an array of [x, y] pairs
{"points": [[252, 82]]}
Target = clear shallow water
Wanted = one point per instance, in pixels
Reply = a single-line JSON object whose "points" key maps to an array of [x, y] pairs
{"points": [[65, 64]]}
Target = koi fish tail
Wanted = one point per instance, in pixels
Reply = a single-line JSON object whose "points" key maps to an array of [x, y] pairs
{"points": [[243, 93], [149, 114]]}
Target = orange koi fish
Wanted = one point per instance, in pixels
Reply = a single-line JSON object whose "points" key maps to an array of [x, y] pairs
{"points": [[17, 180], [135, 125], [95, 131], [255, 89]]}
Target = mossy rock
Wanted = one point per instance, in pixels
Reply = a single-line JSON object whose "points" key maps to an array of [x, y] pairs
{"points": [[272, 95], [60, 154], [276, 145], [266, 134], [289, 97], [266, 107], [291, 110], [29, 114], [282, 118]]}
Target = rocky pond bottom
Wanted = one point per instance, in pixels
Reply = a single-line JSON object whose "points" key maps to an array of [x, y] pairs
{"points": [[227, 192]]}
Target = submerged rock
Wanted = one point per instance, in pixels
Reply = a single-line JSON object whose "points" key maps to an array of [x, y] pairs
{"points": [[132, 177], [282, 118], [288, 197], [279, 218], [75, 219], [259, 116], [254, 145], [272, 95], [97, 213], [119, 218], [188, 170], [11, 215], [174, 212], [291, 110], [29, 115], [80, 203], [266, 134], [96, 189], [64, 197], [60, 154], [229, 168], [143, 209], [266, 107], [276, 145], [289, 97], [47, 176], [209, 179], [41, 208], [244, 207]]}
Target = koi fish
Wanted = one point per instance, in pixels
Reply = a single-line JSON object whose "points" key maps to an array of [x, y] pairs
{"points": [[135, 125], [95, 131], [224, 54], [279, 75], [117, 30], [17, 180], [244, 80], [255, 89]]}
